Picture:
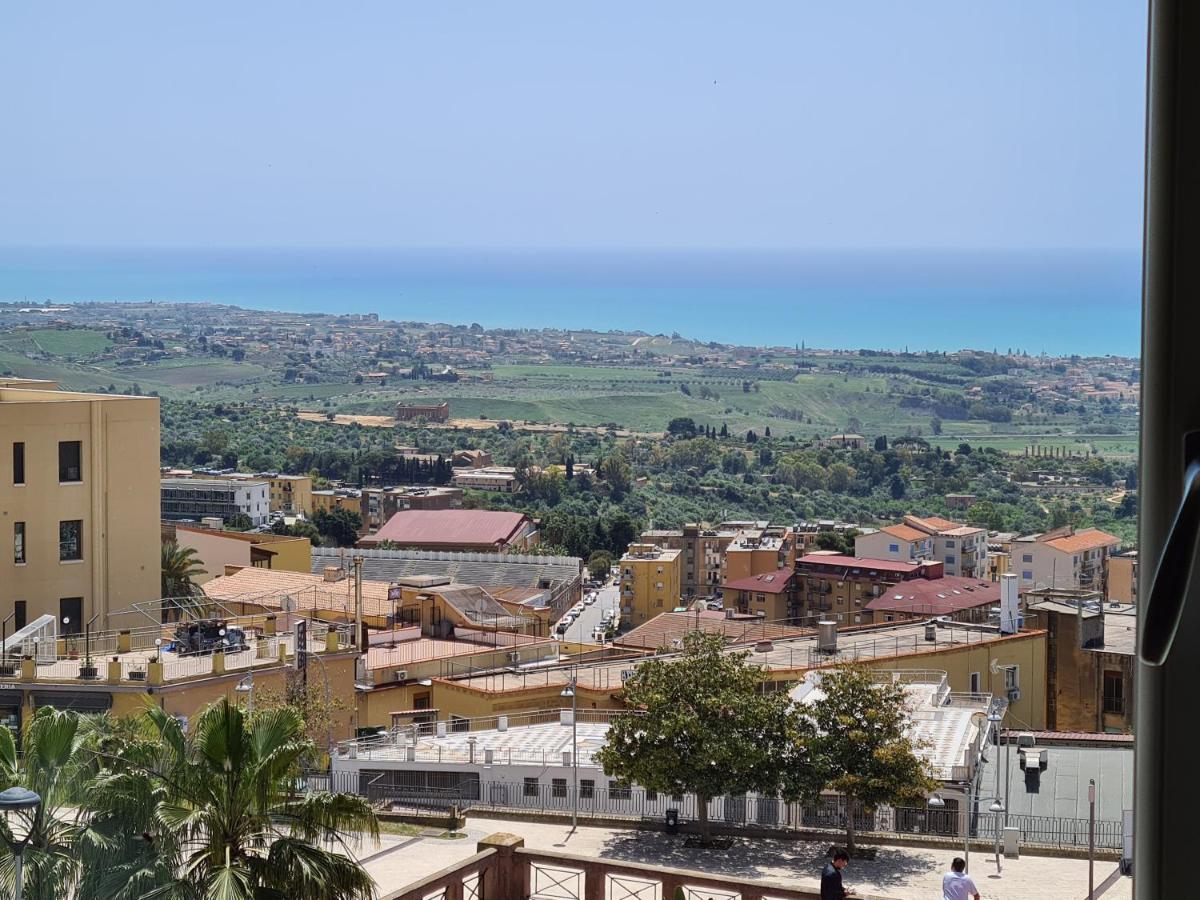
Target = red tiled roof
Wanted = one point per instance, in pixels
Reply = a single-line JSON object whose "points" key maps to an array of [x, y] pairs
{"points": [[937, 596], [769, 583], [859, 562], [905, 532], [451, 527], [1091, 539]]}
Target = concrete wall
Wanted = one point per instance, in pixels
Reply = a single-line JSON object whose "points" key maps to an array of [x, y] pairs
{"points": [[117, 501]]}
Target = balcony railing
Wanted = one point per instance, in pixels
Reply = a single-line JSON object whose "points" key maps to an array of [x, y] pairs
{"points": [[504, 869]]}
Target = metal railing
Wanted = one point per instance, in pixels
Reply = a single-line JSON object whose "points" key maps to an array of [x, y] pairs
{"points": [[750, 811]]}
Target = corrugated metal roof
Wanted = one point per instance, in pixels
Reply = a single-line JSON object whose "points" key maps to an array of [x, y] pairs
{"points": [[465, 527]]}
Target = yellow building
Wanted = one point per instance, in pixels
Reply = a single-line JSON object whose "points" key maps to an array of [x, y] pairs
{"points": [[650, 581], [758, 553], [217, 549], [79, 503], [342, 498], [291, 494]]}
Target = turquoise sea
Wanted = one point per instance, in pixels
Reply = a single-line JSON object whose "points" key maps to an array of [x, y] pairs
{"points": [[1060, 302]]}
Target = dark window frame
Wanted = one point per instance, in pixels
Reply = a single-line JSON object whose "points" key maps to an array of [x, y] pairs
{"points": [[65, 467]]}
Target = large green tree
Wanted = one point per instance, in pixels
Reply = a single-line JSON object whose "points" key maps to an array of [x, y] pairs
{"points": [[339, 524], [214, 814], [706, 724], [58, 762], [862, 747]]}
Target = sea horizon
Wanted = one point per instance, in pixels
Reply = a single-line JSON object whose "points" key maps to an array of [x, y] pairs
{"points": [[1060, 302]]}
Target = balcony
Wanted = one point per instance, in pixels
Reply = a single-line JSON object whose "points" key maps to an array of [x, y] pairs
{"points": [[503, 869]]}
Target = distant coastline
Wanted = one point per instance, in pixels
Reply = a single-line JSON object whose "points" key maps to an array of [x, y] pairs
{"points": [[1060, 302]]}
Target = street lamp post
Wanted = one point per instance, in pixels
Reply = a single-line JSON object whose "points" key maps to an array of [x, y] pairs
{"points": [[570, 691], [996, 718], [246, 686], [18, 800]]}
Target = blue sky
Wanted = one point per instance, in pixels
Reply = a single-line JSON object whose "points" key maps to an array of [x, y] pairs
{"points": [[528, 124]]}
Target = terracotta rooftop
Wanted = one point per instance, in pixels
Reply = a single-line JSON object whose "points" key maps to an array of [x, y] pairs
{"points": [[937, 596], [859, 562], [904, 532], [1089, 539], [769, 583], [451, 527]]}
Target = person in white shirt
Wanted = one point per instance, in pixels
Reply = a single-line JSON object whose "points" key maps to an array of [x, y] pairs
{"points": [[957, 884]]}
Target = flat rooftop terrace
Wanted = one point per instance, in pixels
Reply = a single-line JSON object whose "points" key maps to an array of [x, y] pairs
{"points": [[792, 654]]}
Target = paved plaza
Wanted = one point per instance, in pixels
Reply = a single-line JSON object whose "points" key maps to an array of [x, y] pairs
{"points": [[897, 872]]}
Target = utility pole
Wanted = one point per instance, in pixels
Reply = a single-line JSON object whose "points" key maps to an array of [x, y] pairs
{"points": [[359, 631], [1091, 838]]}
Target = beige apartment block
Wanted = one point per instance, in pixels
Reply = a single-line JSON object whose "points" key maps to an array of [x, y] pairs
{"points": [[79, 504], [650, 581]]}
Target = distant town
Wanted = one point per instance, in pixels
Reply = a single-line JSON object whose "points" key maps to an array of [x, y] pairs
{"points": [[446, 543]]}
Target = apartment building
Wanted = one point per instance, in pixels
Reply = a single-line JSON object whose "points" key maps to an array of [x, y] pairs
{"points": [[199, 498], [79, 501], [502, 479], [903, 543], [703, 547], [839, 588], [758, 552], [650, 582], [329, 499], [290, 494], [1063, 559], [1090, 661], [962, 549]]}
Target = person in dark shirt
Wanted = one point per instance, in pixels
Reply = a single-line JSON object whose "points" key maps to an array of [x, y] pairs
{"points": [[831, 877]]}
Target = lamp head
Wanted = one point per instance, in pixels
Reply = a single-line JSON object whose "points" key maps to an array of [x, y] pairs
{"points": [[936, 802], [996, 807], [568, 691], [17, 799]]}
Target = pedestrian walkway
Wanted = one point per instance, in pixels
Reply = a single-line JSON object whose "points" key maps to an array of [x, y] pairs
{"points": [[900, 872]]}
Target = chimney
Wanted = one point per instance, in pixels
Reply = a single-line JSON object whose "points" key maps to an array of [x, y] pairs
{"points": [[334, 573], [1009, 603]]}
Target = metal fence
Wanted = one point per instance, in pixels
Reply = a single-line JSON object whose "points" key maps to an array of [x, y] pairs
{"points": [[739, 811]]}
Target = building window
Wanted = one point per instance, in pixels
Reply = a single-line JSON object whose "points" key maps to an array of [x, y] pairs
{"points": [[70, 615], [949, 560], [70, 540], [974, 682], [1027, 557], [619, 790], [1012, 678], [893, 548], [1114, 693], [70, 454], [587, 789], [19, 543], [950, 544], [19, 614], [558, 787], [18, 462], [531, 787], [1027, 575], [760, 598]]}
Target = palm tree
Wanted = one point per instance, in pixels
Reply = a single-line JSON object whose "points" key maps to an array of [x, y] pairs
{"points": [[214, 814], [58, 761], [179, 568]]}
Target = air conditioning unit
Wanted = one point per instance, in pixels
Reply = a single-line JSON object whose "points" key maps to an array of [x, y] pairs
{"points": [[514, 656], [400, 675], [1014, 694]]}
